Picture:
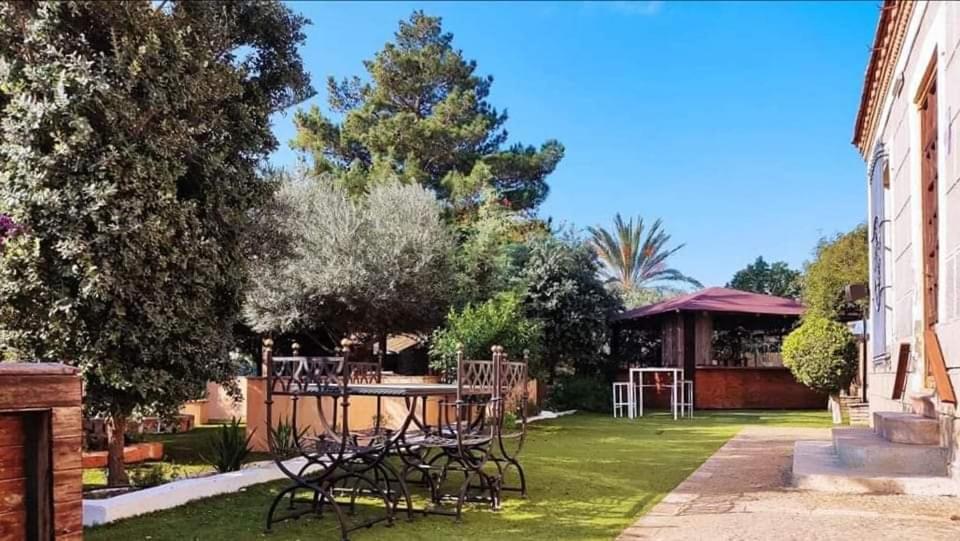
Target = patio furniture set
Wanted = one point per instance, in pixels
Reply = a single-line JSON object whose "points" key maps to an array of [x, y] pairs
{"points": [[628, 395], [456, 452]]}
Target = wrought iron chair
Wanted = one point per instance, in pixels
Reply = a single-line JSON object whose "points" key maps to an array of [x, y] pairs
{"points": [[468, 431], [512, 417], [335, 460]]}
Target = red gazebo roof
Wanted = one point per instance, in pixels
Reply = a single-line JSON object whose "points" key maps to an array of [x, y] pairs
{"points": [[719, 299]]}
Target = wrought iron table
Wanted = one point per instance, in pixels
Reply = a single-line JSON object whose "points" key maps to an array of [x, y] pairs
{"points": [[343, 462]]}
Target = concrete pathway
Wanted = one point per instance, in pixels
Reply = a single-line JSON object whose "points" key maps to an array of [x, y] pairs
{"points": [[742, 492]]}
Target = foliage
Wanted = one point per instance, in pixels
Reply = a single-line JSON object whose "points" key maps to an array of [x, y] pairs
{"points": [[499, 321], [642, 296], [577, 462], [633, 260], [838, 262], [581, 392], [285, 438], [821, 354], [229, 446], [156, 474], [761, 277], [423, 115], [131, 141], [8, 228], [564, 294], [489, 254], [378, 263]]}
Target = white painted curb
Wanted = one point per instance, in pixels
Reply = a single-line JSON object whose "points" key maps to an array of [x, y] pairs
{"points": [[177, 493], [547, 415]]}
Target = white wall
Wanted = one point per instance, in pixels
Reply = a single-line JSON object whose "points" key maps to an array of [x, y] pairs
{"points": [[934, 30]]}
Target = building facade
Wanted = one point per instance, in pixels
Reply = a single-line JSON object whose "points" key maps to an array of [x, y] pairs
{"points": [[908, 131]]}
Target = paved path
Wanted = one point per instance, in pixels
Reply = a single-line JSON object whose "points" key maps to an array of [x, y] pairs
{"points": [[742, 492]]}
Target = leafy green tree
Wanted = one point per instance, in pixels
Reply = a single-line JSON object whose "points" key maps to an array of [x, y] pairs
{"points": [[636, 258], [499, 321], [761, 277], [131, 139], [838, 262], [490, 250], [565, 295], [375, 264], [422, 114]]}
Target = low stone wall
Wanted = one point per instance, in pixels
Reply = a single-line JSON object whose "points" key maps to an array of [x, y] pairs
{"points": [[218, 405], [363, 409], [752, 388]]}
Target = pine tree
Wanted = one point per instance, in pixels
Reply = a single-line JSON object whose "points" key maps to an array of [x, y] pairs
{"points": [[423, 115]]}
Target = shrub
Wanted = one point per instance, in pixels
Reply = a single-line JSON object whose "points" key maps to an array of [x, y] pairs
{"points": [[285, 438], [229, 447], [821, 354], [585, 393], [499, 321], [155, 474]]}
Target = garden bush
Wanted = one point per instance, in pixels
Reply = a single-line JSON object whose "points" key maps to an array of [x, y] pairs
{"points": [[499, 321], [286, 437], [585, 393], [229, 447], [821, 354]]}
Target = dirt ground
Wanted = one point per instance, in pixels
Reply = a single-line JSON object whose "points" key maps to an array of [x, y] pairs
{"points": [[742, 492]]}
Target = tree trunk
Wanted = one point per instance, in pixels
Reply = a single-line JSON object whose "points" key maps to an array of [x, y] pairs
{"points": [[116, 470], [834, 405]]}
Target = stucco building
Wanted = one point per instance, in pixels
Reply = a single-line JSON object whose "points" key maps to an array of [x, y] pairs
{"points": [[907, 131]]}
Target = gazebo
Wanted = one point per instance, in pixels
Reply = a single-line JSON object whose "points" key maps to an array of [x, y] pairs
{"points": [[727, 341]]}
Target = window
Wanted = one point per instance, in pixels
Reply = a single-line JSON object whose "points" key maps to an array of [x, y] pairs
{"points": [[879, 249]]}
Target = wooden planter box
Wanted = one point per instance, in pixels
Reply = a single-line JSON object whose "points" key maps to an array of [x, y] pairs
{"points": [[132, 454], [40, 439]]}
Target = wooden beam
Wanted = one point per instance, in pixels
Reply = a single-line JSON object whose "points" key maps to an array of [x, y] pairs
{"points": [[903, 358], [938, 366]]}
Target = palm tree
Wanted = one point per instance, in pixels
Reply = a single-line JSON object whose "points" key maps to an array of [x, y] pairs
{"points": [[635, 262]]}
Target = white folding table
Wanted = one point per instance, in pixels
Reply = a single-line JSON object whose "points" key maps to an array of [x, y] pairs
{"points": [[676, 387]]}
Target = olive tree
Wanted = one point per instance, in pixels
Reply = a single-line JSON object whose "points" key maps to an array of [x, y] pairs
{"points": [[375, 263], [131, 135]]}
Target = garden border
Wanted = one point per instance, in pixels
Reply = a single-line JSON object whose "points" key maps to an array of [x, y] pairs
{"points": [[177, 493]]}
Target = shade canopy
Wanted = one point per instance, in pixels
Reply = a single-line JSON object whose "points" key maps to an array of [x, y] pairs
{"points": [[718, 299]]}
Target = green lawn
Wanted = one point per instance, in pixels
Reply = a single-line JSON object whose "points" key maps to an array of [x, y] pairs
{"points": [[589, 475]]}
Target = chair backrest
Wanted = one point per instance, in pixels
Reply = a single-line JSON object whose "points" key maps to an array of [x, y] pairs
{"points": [[477, 377], [365, 372], [513, 377]]}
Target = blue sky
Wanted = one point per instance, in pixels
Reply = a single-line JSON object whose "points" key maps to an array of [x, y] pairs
{"points": [[731, 121]]}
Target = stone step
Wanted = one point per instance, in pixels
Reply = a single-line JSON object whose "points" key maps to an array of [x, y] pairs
{"points": [[859, 415], [906, 428], [924, 405], [817, 467], [861, 448]]}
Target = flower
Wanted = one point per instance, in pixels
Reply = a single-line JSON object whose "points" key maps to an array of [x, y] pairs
{"points": [[8, 229]]}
